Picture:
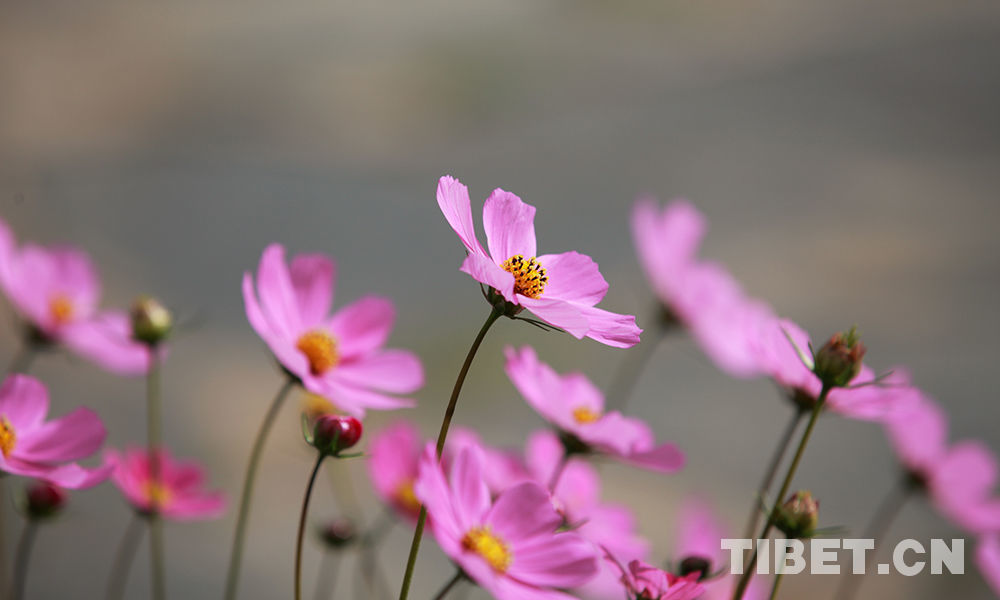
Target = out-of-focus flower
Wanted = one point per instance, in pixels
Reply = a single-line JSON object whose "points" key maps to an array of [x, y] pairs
{"points": [[776, 342], [338, 533], [701, 295], [988, 560], [561, 289], [574, 405], [698, 551], [960, 479], [798, 517], [178, 492], [339, 356], [57, 290], [510, 546], [44, 499], [332, 434], [32, 447], [645, 582], [393, 467]]}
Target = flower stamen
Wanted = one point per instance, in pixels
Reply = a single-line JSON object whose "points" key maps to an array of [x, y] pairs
{"points": [[158, 494], [7, 437], [61, 309], [485, 543], [407, 498], [529, 275], [321, 350], [585, 415]]}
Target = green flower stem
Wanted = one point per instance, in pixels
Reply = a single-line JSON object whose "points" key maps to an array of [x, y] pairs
{"points": [[302, 525], [777, 584], [785, 485], [772, 470], [153, 440], [22, 558], [632, 366], [123, 558], [448, 586], [411, 561], [236, 554]]}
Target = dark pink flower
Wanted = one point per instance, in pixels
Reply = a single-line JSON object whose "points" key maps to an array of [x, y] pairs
{"points": [[57, 291], [574, 405], [178, 492], [988, 560], [32, 447], [702, 295], [645, 582], [561, 289], [960, 479], [393, 467], [510, 546], [339, 356]]}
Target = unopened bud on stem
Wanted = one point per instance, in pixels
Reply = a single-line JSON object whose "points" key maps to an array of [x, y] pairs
{"points": [[151, 321], [839, 360]]}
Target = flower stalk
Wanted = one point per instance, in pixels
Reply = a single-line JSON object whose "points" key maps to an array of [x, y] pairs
{"points": [[22, 558], [153, 437], [302, 524], [123, 558]]}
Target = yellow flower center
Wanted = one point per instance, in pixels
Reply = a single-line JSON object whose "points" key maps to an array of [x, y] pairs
{"points": [[529, 275], [158, 493], [584, 415], [7, 437], [485, 543], [61, 308], [407, 498], [321, 350]]}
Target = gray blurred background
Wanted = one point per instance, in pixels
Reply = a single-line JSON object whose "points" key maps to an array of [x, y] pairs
{"points": [[846, 154]]}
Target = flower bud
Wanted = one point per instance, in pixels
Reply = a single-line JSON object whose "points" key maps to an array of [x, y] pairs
{"points": [[44, 500], [839, 360], [695, 564], [338, 533], [335, 433], [799, 516], [151, 321]]}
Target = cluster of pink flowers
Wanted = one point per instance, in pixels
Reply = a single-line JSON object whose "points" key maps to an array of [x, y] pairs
{"points": [[527, 522]]}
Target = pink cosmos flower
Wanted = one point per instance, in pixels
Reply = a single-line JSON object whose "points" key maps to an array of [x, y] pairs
{"points": [[778, 358], [702, 295], [393, 467], [988, 560], [645, 582], [339, 356], [698, 550], [178, 492], [574, 405], [561, 289], [57, 291], [959, 479], [32, 447], [509, 546]]}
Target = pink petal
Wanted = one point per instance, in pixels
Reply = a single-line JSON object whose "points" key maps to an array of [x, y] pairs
{"points": [[963, 483], [196, 507], [395, 454], [523, 512], [255, 315], [453, 199], [8, 249], [561, 560], [24, 401], [106, 340], [397, 371], [274, 287], [665, 458], [919, 433], [573, 276], [363, 326], [611, 329], [699, 532], [312, 277], [481, 268], [562, 314], [470, 495], [70, 475], [505, 588], [988, 560], [510, 226], [432, 490], [666, 243], [72, 437], [355, 400], [539, 384]]}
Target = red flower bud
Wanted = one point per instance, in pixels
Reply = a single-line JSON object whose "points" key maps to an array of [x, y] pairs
{"points": [[335, 433], [45, 500]]}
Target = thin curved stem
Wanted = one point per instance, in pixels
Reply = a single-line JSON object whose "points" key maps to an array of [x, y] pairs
{"points": [[411, 560], [302, 525], [789, 476], [621, 387], [772, 470], [22, 361], [371, 576], [327, 579], [777, 584], [236, 554], [22, 558], [448, 586], [123, 558], [153, 437], [884, 515]]}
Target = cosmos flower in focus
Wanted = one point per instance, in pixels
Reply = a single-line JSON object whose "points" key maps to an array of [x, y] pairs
{"points": [[960, 479], [574, 405], [33, 447], [178, 493], [56, 290], [561, 289], [510, 546], [339, 356]]}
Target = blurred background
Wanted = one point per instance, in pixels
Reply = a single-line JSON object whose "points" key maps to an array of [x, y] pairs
{"points": [[846, 153]]}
